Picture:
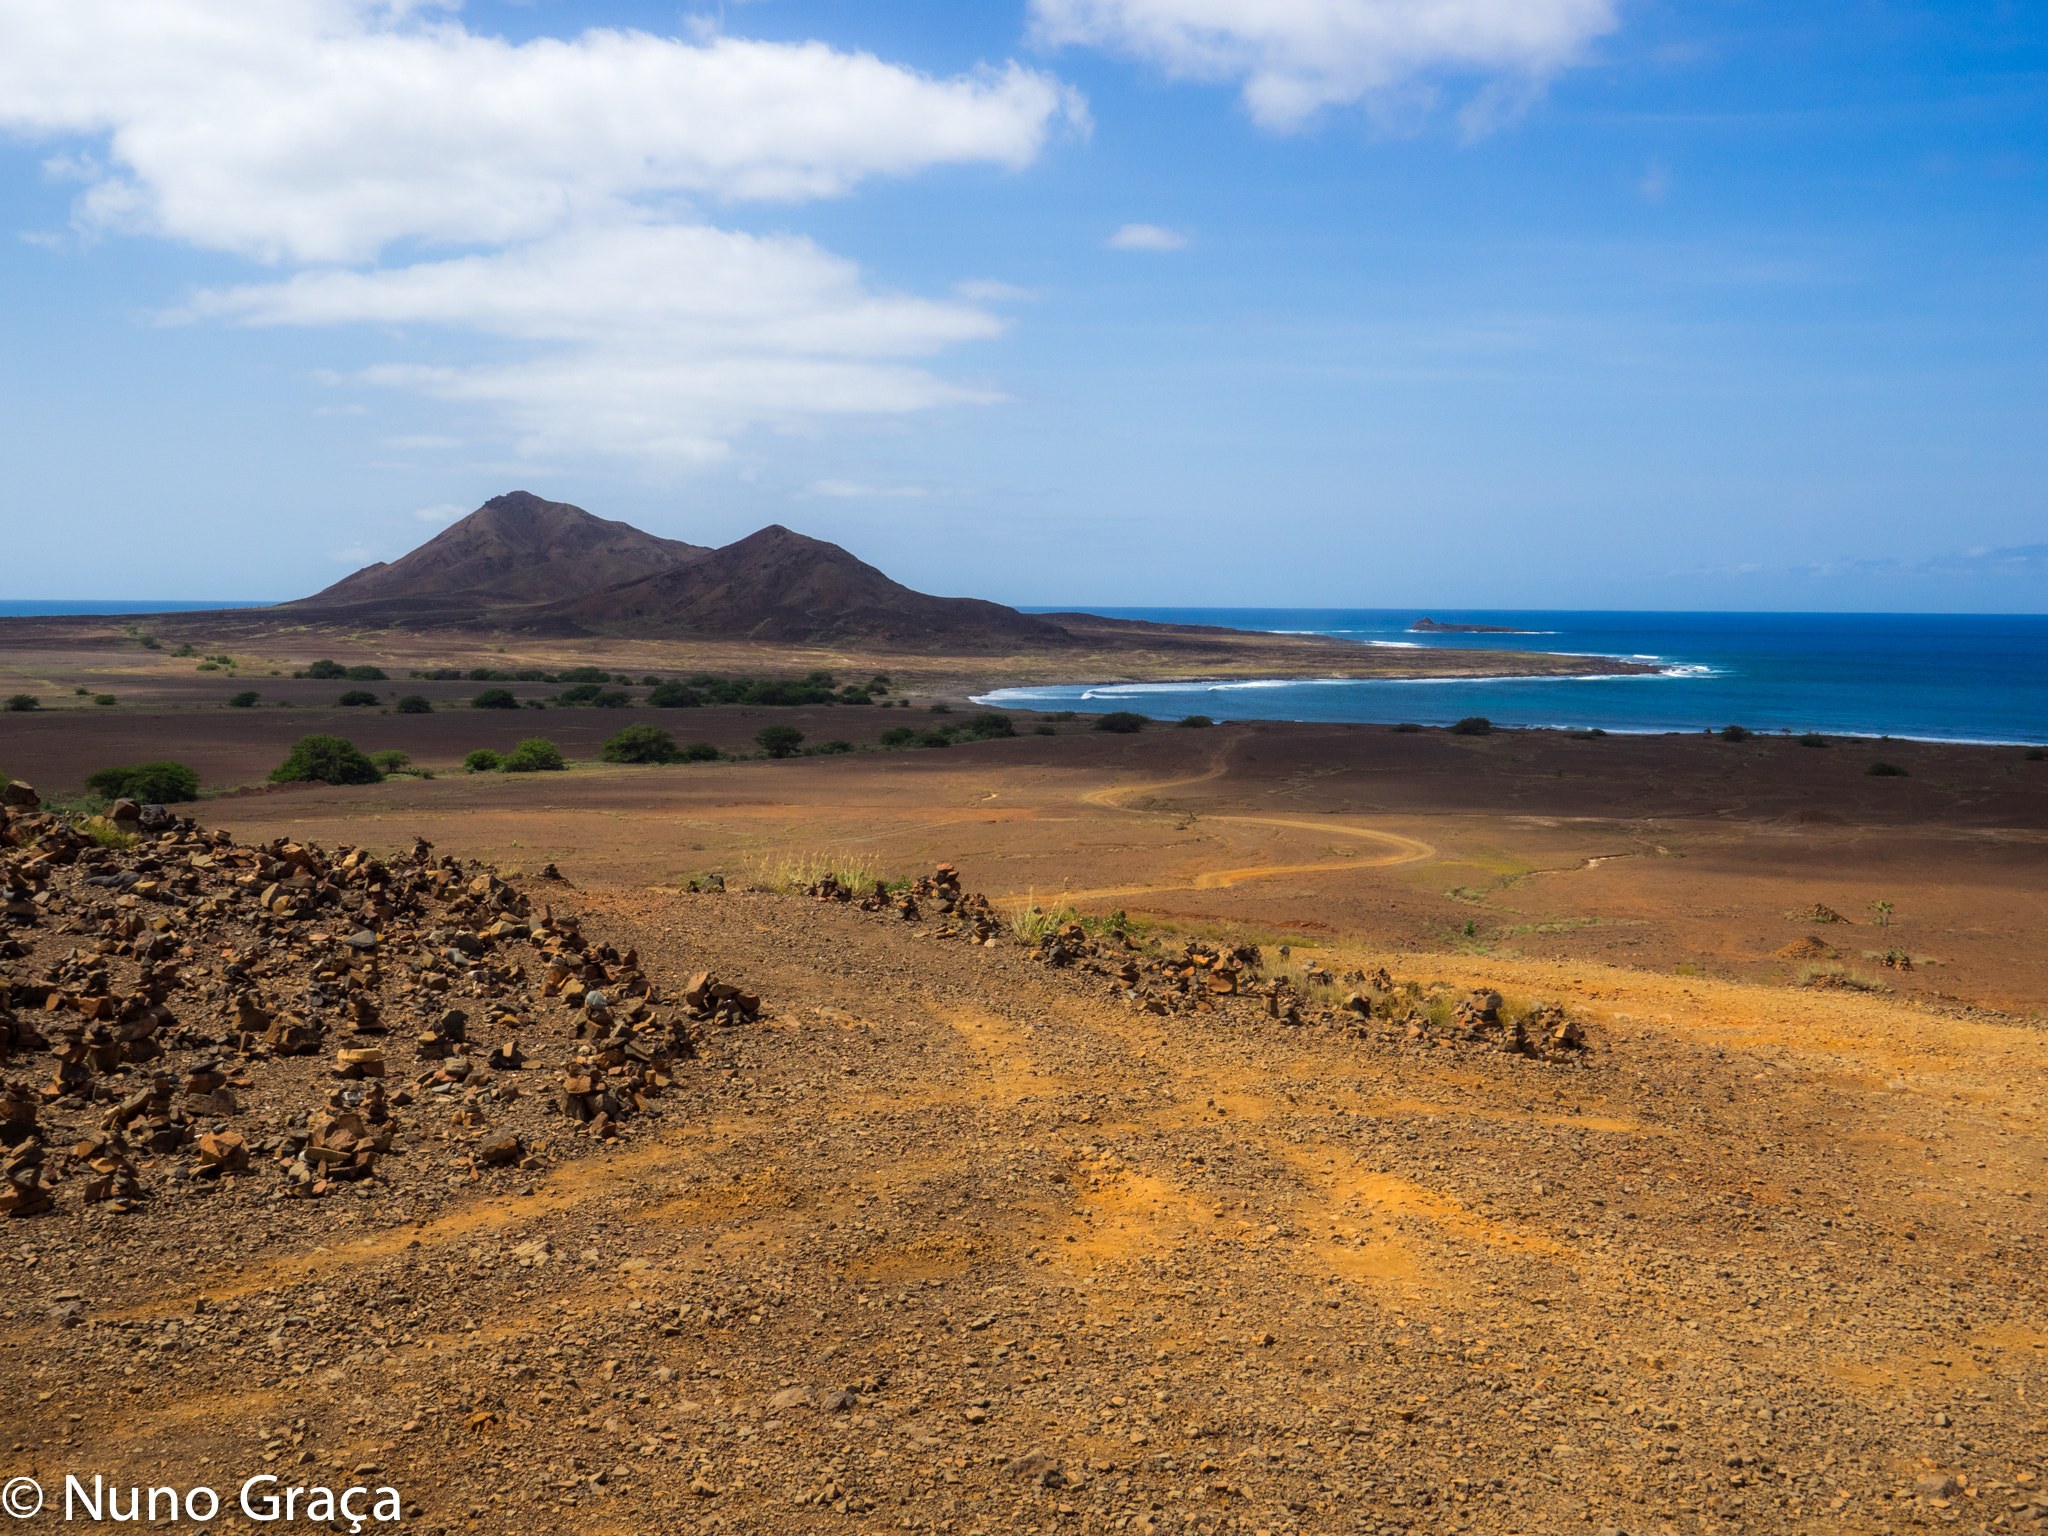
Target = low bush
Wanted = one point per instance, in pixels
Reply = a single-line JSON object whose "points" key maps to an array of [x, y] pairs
{"points": [[614, 699], [536, 754], [1813, 739], [494, 698], [104, 698], [331, 759], [356, 698], [413, 704], [832, 748], [898, 736], [2037, 754], [368, 675], [21, 703], [675, 696], [934, 739], [1405, 728], [149, 642], [1592, 734], [650, 681], [942, 709], [324, 671], [1886, 771], [1196, 722], [246, 699], [483, 760], [390, 760], [640, 744], [1062, 716], [779, 740], [1123, 722], [584, 675], [582, 693], [1735, 733], [989, 726], [146, 783], [1473, 725], [1044, 730], [700, 752]]}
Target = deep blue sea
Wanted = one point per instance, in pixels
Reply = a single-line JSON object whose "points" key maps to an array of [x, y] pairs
{"points": [[29, 607], [1953, 677]]}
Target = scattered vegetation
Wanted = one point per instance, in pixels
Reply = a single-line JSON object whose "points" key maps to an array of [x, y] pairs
{"points": [[483, 760], [357, 698], [1062, 716], [149, 642], [21, 703], [942, 709], [831, 748], [334, 671], [1881, 913], [1473, 725], [413, 704], [146, 783], [700, 752], [104, 699], [777, 740], [246, 699], [536, 754], [1196, 722], [1044, 730], [1813, 739], [494, 698], [640, 744], [391, 760], [987, 726], [794, 874], [1735, 733], [1123, 722], [1406, 728], [331, 759], [1886, 771], [1837, 976]]}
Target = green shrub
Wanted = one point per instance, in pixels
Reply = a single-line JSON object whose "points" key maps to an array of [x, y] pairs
{"points": [[187, 649], [367, 675], [536, 754], [1062, 715], [246, 699], [934, 739], [149, 642], [146, 783], [779, 740], [483, 760], [207, 666], [1735, 733], [989, 726], [640, 744], [582, 693], [324, 670], [615, 699], [494, 698], [1886, 771], [1405, 728], [898, 736], [700, 752], [1473, 725], [21, 703], [1813, 739], [1044, 730], [650, 681], [675, 696], [1123, 722], [331, 759], [1196, 722], [413, 704], [357, 697], [390, 760], [942, 709], [832, 748], [584, 675], [104, 698]]}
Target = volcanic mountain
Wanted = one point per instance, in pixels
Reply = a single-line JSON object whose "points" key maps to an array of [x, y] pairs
{"points": [[779, 585], [525, 563], [509, 554]]}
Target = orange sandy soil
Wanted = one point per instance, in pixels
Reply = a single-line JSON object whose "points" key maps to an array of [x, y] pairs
{"points": [[1770, 1260]]}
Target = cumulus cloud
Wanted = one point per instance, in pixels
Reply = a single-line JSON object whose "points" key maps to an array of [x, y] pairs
{"points": [[1147, 237], [1295, 57], [572, 177]]}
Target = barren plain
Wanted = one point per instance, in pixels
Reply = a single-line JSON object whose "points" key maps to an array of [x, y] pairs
{"points": [[975, 1228]]}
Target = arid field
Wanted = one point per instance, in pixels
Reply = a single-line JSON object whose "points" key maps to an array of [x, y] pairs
{"points": [[1723, 1215]]}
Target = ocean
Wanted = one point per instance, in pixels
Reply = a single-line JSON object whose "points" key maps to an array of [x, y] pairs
{"points": [[1944, 677], [32, 607]]}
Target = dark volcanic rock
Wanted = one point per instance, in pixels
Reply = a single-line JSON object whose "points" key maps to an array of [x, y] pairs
{"points": [[779, 585], [513, 551]]}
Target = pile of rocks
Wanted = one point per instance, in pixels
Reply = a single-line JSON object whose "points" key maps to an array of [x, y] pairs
{"points": [[173, 995]]}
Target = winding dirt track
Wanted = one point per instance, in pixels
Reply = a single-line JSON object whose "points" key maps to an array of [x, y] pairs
{"points": [[1401, 850]]}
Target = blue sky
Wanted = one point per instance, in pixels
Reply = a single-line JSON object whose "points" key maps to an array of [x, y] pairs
{"points": [[1455, 303]]}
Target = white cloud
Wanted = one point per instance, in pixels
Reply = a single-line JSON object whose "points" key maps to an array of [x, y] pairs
{"points": [[1147, 237], [422, 440], [325, 130], [853, 489], [1295, 57], [442, 512], [330, 134]]}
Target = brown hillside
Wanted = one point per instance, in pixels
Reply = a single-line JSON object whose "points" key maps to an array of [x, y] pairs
{"points": [[779, 585], [514, 549]]}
